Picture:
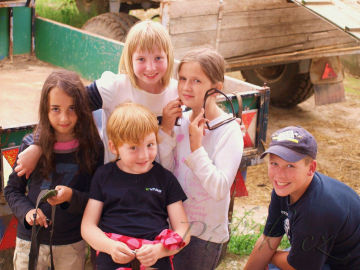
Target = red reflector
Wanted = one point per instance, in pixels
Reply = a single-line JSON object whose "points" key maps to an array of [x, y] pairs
{"points": [[328, 73], [10, 155]]}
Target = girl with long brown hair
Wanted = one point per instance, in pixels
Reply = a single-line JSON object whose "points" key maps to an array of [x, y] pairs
{"points": [[71, 151]]}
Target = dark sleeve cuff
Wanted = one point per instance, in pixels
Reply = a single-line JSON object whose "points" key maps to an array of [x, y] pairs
{"points": [[95, 100]]}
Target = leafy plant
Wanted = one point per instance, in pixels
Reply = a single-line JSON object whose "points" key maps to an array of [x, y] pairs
{"points": [[244, 234], [63, 11]]}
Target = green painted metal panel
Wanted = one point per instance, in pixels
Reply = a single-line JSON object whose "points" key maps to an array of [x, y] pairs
{"points": [[12, 137], [75, 50], [22, 30], [4, 33]]}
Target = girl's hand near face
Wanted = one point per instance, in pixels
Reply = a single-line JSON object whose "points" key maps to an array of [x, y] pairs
{"points": [[64, 195], [170, 113], [197, 131]]}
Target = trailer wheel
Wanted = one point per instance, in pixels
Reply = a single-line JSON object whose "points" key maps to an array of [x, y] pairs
{"points": [[111, 25], [92, 6], [287, 86]]}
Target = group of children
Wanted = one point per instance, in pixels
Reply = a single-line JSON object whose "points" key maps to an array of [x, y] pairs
{"points": [[137, 213], [131, 210]]}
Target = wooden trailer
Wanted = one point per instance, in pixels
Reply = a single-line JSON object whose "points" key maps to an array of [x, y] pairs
{"points": [[278, 42]]}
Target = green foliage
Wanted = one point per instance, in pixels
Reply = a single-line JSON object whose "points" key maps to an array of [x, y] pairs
{"points": [[63, 11], [244, 234]]}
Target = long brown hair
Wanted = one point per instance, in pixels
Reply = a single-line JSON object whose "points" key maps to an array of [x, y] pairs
{"points": [[212, 63], [85, 130]]}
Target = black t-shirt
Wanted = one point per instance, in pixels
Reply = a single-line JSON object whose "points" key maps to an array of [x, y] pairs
{"points": [[323, 225], [135, 205]]}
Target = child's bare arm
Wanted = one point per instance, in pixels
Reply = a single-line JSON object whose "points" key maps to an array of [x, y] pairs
{"points": [[149, 254], [178, 221], [263, 251], [280, 260], [27, 160], [96, 238]]}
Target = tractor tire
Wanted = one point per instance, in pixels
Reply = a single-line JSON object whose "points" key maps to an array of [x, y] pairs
{"points": [[287, 86], [92, 7], [111, 25]]}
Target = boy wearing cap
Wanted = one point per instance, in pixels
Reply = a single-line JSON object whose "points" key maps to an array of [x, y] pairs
{"points": [[320, 215]]}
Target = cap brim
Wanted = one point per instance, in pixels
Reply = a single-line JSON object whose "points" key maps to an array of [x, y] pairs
{"points": [[284, 153]]}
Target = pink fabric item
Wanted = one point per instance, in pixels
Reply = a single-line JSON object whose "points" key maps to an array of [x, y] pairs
{"points": [[61, 146], [168, 238]]}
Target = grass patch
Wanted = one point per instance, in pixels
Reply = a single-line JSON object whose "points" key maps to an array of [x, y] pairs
{"points": [[352, 84], [63, 11], [245, 233]]}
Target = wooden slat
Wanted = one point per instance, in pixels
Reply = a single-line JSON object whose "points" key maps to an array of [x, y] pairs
{"points": [[292, 14], [193, 24], [237, 63], [344, 14], [194, 39], [193, 8], [316, 2], [14, 3], [282, 44], [239, 19], [275, 31], [246, 5], [190, 8]]}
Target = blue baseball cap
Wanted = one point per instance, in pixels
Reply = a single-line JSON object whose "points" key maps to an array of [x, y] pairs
{"points": [[292, 144]]}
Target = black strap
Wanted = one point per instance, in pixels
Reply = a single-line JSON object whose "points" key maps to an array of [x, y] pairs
{"points": [[53, 208], [35, 241]]}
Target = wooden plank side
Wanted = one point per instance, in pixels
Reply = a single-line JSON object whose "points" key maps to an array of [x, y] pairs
{"points": [[246, 5], [193, 8], [275, 31], [186, 24], [193, 24], [281, 44], [293, 56], [200, 38], [345, 14], [266, 17], [71, 48]]}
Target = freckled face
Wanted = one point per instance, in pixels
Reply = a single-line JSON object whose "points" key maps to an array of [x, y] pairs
{"points": [[150, 68], [137, 159], [62, 115]]}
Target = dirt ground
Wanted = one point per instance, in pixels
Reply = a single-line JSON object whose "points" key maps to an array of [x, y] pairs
{"points": [[336, 128]]}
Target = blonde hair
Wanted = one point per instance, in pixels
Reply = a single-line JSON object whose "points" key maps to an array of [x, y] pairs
{"points": [[212, 63], [130, 123], [145, 36]]}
